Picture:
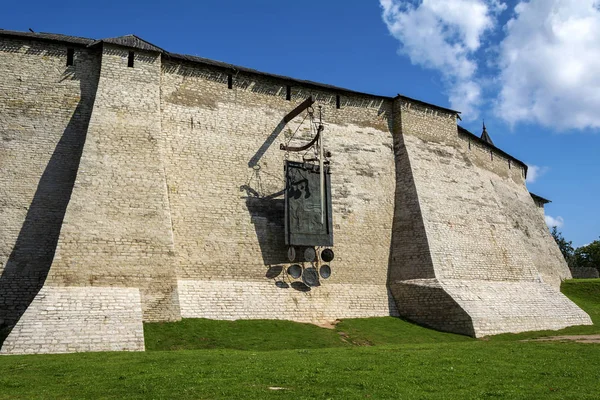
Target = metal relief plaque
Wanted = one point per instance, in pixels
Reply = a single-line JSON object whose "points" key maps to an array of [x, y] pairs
{"points": [[306, 224]]}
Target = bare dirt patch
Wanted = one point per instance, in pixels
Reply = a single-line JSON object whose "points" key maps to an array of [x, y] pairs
{"points": [[568, 338], [327, 324]]}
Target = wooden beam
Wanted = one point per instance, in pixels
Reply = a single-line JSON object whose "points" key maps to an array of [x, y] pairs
{"points": [[301, 107]]}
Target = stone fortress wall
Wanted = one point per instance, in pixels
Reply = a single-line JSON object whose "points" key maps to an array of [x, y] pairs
{"points": [[162, 184], [492, 264]]}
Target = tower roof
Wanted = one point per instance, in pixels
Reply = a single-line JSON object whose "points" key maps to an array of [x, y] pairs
{"points": [[539, 198], [485, 136], [130, 41]]}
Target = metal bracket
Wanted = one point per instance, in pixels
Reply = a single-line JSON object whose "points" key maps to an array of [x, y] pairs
{"points": [[306, 146], [301, 107]]}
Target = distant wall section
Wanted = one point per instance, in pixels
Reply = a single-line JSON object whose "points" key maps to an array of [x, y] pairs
{"points": [[488, 246]]}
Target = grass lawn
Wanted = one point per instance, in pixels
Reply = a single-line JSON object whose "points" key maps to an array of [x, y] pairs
{"points": [[362, 358]]}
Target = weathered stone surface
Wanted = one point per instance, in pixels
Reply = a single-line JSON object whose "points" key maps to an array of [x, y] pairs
{"points": [[233, 300], [77, 319], [45, 109], [160, 180], [426, 302], [488, 262], [117, 229], [499, 307]]}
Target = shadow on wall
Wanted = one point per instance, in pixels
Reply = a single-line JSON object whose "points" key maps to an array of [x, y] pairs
{"points": [[31, 257], [426, 304], [267, 216], [267, 212], [265, 146], [392, 306], [410, 256]]}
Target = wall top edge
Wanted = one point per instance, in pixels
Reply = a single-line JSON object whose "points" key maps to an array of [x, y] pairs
{"points": [[47, 37], [485, 144], [135, 42]]}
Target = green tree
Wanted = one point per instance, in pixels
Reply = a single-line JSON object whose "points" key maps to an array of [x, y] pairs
{"points": [[566, 247], [588, 255]]}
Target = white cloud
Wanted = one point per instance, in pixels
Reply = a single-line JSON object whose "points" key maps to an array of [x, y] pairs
{"points": [[534, 172], [444, 35], [549, 63], [557, 222]]}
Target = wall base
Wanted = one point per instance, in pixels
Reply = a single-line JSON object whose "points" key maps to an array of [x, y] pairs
{"points": [[482, 308], [231, 300], [78, 319]]}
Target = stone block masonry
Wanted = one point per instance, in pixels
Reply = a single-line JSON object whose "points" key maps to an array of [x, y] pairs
{"points": [[499, 307], [78, 319], [117, 228], [262, 300], [45, 108], [153, 192], [487, 265]]}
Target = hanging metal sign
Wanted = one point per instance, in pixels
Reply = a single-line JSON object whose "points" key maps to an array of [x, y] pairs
{"points": [[308, 213]]}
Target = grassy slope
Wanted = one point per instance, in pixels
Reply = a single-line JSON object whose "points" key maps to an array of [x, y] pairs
{"points": [[258, 335], [262, 335], [586, 294], [268, 335], [406, 361]]}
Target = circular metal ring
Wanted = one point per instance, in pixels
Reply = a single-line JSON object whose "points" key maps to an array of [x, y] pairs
{"points": [[325, 271], [295, 271], [327, 255], [309, 254], [310, 277], [291, 254]]}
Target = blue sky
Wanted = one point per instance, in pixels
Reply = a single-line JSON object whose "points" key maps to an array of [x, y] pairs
{"points": [[528, 68]]}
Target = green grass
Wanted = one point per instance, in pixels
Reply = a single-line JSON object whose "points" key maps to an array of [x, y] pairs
{"points": [[392, 331], [467, 370], [268, 335], [586, 294], [257, 335], [361, 358]]}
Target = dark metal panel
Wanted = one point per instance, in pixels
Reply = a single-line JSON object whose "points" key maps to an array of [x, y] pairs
{"points": [[303, 225]]}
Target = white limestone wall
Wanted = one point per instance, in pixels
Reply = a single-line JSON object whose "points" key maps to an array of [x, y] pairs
{"points": [[503, 307], [231, 300], [79, 319], [496, 267]]}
